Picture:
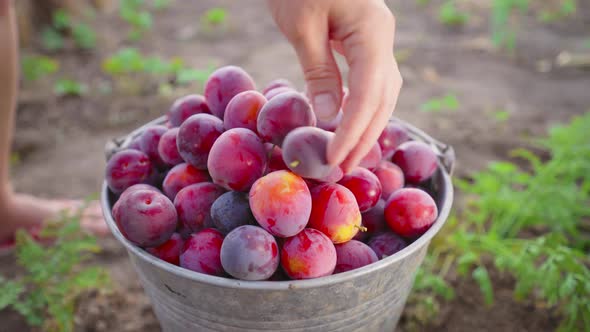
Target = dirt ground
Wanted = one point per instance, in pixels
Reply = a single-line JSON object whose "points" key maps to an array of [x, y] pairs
{"points": [[60, 140]]}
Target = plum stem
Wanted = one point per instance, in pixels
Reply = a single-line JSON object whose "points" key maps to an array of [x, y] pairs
{"points": [[361, 228], [294, 163]]}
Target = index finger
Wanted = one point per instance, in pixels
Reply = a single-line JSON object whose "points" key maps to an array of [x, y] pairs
{"points": [[366, 52]]}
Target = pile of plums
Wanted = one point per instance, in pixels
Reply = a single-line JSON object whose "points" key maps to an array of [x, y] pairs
{"points": [[236, 184]]}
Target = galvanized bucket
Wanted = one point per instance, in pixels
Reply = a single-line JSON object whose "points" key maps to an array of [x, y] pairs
{"points": [[369, 299]]}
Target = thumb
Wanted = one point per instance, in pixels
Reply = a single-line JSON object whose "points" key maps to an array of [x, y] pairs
{"points": [[322, 77]]}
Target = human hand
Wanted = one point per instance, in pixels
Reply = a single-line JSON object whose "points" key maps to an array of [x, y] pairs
{"points": [[363, 32]]}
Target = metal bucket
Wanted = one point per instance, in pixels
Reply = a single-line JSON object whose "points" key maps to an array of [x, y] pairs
{"points": [[369, 299]]}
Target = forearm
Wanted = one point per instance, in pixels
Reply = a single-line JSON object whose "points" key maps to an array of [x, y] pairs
{"points": [[8, 88]]}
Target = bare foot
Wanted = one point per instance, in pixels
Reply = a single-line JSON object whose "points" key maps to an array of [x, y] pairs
{"points": [[28, 212]]}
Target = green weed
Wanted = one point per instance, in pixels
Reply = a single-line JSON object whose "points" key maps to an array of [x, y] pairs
{"points": [[129, 62], [501, 115], [503, 34], [161, 4], [430, 288], [214, 16], [52, 40], [449, 14], [138, 15], [34, 67], [67, 87], [448, 102], [84, 36], [53, 37], [139, 19], [566, 8], [55, 276], [505, 202]]}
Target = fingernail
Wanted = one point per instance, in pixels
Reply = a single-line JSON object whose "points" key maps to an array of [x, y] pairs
{"points": [[324, 106]]}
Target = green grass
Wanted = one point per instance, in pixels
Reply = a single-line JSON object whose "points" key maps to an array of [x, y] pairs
{"points": [[55, 275], [505, 202]]}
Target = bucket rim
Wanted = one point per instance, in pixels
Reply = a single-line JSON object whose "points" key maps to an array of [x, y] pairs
{"points": [[444, 169]]}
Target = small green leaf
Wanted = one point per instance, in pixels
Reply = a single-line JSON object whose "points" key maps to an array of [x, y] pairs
{"points": [[35, 67], [501, 116], [450, 15], [161, 4], [89, 278], [66, 87], [10, 292], [61, 19], [143, 20], [448, 102], [157, 66], [84, 36], [465, 262], [125, 61], [503, 167], [51, 39], [215, 16], [480, 274], [191, 75]]}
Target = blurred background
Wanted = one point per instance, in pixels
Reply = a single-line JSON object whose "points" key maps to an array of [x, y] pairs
{"points": [[486, 77]]}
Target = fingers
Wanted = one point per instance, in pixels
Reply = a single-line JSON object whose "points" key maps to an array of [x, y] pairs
{"points": [[322, 76], [374, 83], [378, 122], [92, 220], [367, 79], [363, 99]]}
